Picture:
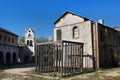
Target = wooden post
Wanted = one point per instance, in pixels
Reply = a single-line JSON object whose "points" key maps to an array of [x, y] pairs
{"points": [[62, 59]]}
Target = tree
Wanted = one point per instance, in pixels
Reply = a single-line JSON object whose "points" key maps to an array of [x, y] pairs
{"points": [[40, 40], [22, 40], [37, 40]]}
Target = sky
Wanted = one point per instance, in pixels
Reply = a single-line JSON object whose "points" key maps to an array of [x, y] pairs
{"points": [[18, 15]]}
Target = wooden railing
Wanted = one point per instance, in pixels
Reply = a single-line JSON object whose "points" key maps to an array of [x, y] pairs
{"points": [[60, 58]]}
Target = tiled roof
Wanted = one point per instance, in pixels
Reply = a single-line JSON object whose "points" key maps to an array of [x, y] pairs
{"points": [[2, 29]]}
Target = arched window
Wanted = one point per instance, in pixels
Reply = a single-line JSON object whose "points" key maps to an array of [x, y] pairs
{"points": [[31, 44], [27, 42], [29, 35], [75, 32]]}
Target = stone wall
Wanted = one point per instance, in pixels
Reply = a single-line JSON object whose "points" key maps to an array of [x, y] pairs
{"points": [[10, 39], [11, 51]]}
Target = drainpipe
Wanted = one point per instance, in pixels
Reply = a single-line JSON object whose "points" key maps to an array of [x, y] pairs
{"points": [[92, 37], [97, 46]]}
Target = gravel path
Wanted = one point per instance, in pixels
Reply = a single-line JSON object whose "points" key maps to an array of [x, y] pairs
{"points": [[20, 71], [25, 72]]}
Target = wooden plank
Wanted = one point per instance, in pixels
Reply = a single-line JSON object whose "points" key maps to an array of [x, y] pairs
{"points": [[62, 61], [82, 57], [71, 58]]}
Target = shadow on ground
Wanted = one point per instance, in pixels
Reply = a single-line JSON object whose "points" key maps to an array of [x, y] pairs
{"points": [[17, 65]]}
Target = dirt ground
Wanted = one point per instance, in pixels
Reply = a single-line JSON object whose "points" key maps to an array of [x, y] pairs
{"points": [[27, 72]]}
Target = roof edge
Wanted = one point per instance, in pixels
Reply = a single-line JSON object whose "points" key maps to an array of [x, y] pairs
{"points": [[8, 31], [70, 13]]}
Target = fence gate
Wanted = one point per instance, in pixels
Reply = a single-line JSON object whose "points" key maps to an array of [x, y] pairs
{"points": [[61, 58]]}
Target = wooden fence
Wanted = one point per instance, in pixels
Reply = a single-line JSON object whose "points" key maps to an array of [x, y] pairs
{"points": [[61, 58]]}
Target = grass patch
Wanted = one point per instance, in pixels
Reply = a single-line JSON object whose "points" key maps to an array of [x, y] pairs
{"points": [[41, 78], [94, 76], [1, 70], [36, 78], [110, 69]]}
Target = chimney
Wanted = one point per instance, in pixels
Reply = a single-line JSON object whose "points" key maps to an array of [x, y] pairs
{"points": [[101, 21]]}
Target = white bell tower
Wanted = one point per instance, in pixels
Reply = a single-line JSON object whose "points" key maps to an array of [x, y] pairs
{"points": [[30, 40]]}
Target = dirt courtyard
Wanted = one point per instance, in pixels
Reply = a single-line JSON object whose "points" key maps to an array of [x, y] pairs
{"points": [[27, 72]]}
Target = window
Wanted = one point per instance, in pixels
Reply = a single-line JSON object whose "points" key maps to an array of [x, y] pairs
{"points": [[27, 42], [101, 35], [75, 32], [31, 43], [0, 37], [12, 40], [29, 35], [4, 38], [58, 34], [9, 39]]}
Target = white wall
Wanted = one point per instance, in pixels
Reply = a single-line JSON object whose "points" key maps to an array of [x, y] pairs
{"points": [[67, 24], [69, 19], [84, 35], [32, 48]]}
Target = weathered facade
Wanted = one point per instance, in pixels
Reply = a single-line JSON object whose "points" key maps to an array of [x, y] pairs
{"points": [[99, 40], [9, 51], [108, 45], [30, 39], [27, 52]]}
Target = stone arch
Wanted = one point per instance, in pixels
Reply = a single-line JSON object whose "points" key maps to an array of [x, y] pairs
{"points": [[31, 43], [28, 42], [1, 57], [8, 58], [14, 57]]}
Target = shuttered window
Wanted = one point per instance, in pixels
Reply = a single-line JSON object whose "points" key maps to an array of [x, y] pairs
{"points": [[58, 34]]}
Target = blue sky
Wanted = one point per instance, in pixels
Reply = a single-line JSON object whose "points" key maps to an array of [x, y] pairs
{"points": [[17, 15]]}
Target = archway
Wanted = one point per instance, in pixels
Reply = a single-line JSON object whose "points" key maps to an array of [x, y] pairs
{"points": [[1, 57], [14, 58], [8, 58], [31, 44]]}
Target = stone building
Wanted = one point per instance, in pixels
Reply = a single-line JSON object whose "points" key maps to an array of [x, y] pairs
{"points": [[30, 39], [9, 50], [28, 48], [99, 40]]}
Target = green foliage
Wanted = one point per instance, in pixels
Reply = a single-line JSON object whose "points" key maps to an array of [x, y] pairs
{"points": [[37, 40], [41, 39], [22, 40], [116, 55]]}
